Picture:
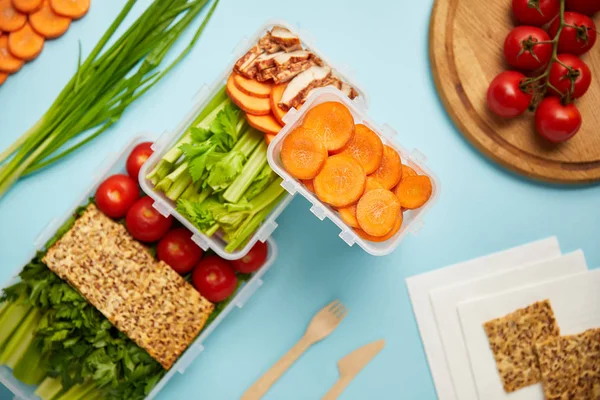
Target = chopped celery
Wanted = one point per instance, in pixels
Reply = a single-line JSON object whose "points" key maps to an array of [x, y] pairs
{"points": [[11, 318], [212, 230], [17, 345], [29, 369], [78, 392], [179, 185], [49, 388], [253, 166], [3, 307]]}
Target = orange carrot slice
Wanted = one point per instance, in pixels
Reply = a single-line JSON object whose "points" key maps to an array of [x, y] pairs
{"points": [[309, 185], [408, 171], [332, 123], [3, 77], [10, 18], [48, 23], [252, 87], [27, 6], [414, 191], [250, 104], [366, 147], [348, 214], [25, 43], [385, 237], [264, 123], [302, 156], [341, 182], [377, 212], [275, 98], [389, 172], [269, 138], [74, 9], [8, 63]]}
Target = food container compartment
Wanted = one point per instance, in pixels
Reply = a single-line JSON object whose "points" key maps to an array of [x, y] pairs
{"points": [[116, 164], [413, 219], [168, 139]]}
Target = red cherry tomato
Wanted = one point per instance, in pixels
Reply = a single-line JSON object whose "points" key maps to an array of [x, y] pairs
{"points": [[178, 250], [505, 97], [137, 158], [523, 50], [116, 195], [252, 261], [555, 121], [562, 78], [145, 223], [578, 36], [535, 12], [587, 7], [214, 278]]}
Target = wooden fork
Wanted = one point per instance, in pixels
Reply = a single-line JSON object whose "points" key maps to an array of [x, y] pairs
{"points": [[322, 324]]}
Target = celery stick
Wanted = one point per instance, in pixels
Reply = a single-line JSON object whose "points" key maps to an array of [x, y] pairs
{"points": [[191, 191], [204, 195], [179, 186], [19, 342], [49, 388], [78, 392], [10, 320], [253, 166], [3, 306], [29, 369], [212, 230]]}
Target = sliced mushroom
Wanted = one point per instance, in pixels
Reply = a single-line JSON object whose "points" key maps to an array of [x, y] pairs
{"points": [[296, 91]]}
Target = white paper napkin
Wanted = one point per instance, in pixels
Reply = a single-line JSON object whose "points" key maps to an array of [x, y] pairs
{"points": [[445, 300], [576, 303], [419, 287]]}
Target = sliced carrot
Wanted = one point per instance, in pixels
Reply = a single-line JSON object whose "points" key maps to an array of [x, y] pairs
{"points": [[252, 87], [3, 77], [250, 104], [366, 147], [27, 6], [389, 172], [414, 191], [385, 237], [275, 98], [332, 123], [8, 63], [348, 214], [48, 23], [269, 138], [408, 171], [264, 123], [302, 156], [25, 43], [341, 182], [309, 184], [377, 212], [74, 9], [10, 18]]}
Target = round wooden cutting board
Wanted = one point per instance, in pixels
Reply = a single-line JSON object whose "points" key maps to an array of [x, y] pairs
{"points": [[465, 47]]}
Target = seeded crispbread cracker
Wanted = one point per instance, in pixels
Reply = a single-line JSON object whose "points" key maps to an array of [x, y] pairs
{"points": [[512, 339], [570, 366], [145, 299]]}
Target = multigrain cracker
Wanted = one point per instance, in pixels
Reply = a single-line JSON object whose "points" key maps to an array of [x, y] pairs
{"points": [[145, 299], [570, 366], [512, 339]]}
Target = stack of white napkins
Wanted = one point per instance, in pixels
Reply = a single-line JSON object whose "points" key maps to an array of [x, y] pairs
{"points": [[452, 304]]}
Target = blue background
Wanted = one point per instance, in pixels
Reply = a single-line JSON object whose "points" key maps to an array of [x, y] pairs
{"points": [[482, 207]]}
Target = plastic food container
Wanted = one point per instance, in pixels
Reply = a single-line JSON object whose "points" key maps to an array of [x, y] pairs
{"points": [[167, 140], [116, 164], [413, 219]]}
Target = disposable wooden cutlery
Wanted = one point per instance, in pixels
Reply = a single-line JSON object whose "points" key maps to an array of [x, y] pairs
{"points": [[322, 324]]}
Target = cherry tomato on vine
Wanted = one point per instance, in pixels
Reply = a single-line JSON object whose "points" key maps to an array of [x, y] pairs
{"points": [[557, 122], [252, 261], [505, 97], [563, 78], [578, 35], [116, 195], [587, 7], [535, 12], [145, 223], [179, 251], [137, 158], [214, 278], [523, 50]]}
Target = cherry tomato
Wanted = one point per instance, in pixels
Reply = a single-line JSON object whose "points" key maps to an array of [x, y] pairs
{"points": [[588, 7], [252, 261], [535, 12], [137, 158], [562, 78], [214, 278], [557, 122], [116, 195], [178, 250], [523, 50], [505, 97], [145, 223], [578, 36]]}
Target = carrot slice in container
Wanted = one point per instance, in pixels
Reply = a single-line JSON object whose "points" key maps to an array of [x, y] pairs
{"points": [[389, 172], [302, 156], [414, 191], [48, 23], [309, 185], [341, 182], [332, 123], [275, 98], [377, 212], [264, 123], [408, 171], [385, 237], [8, 63], [348, 214], [11, 19], [250, 104], [74, 9], [25, 43], [366, 147], [269, 138], [252, 87], [3, 77], [27, 6]]}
